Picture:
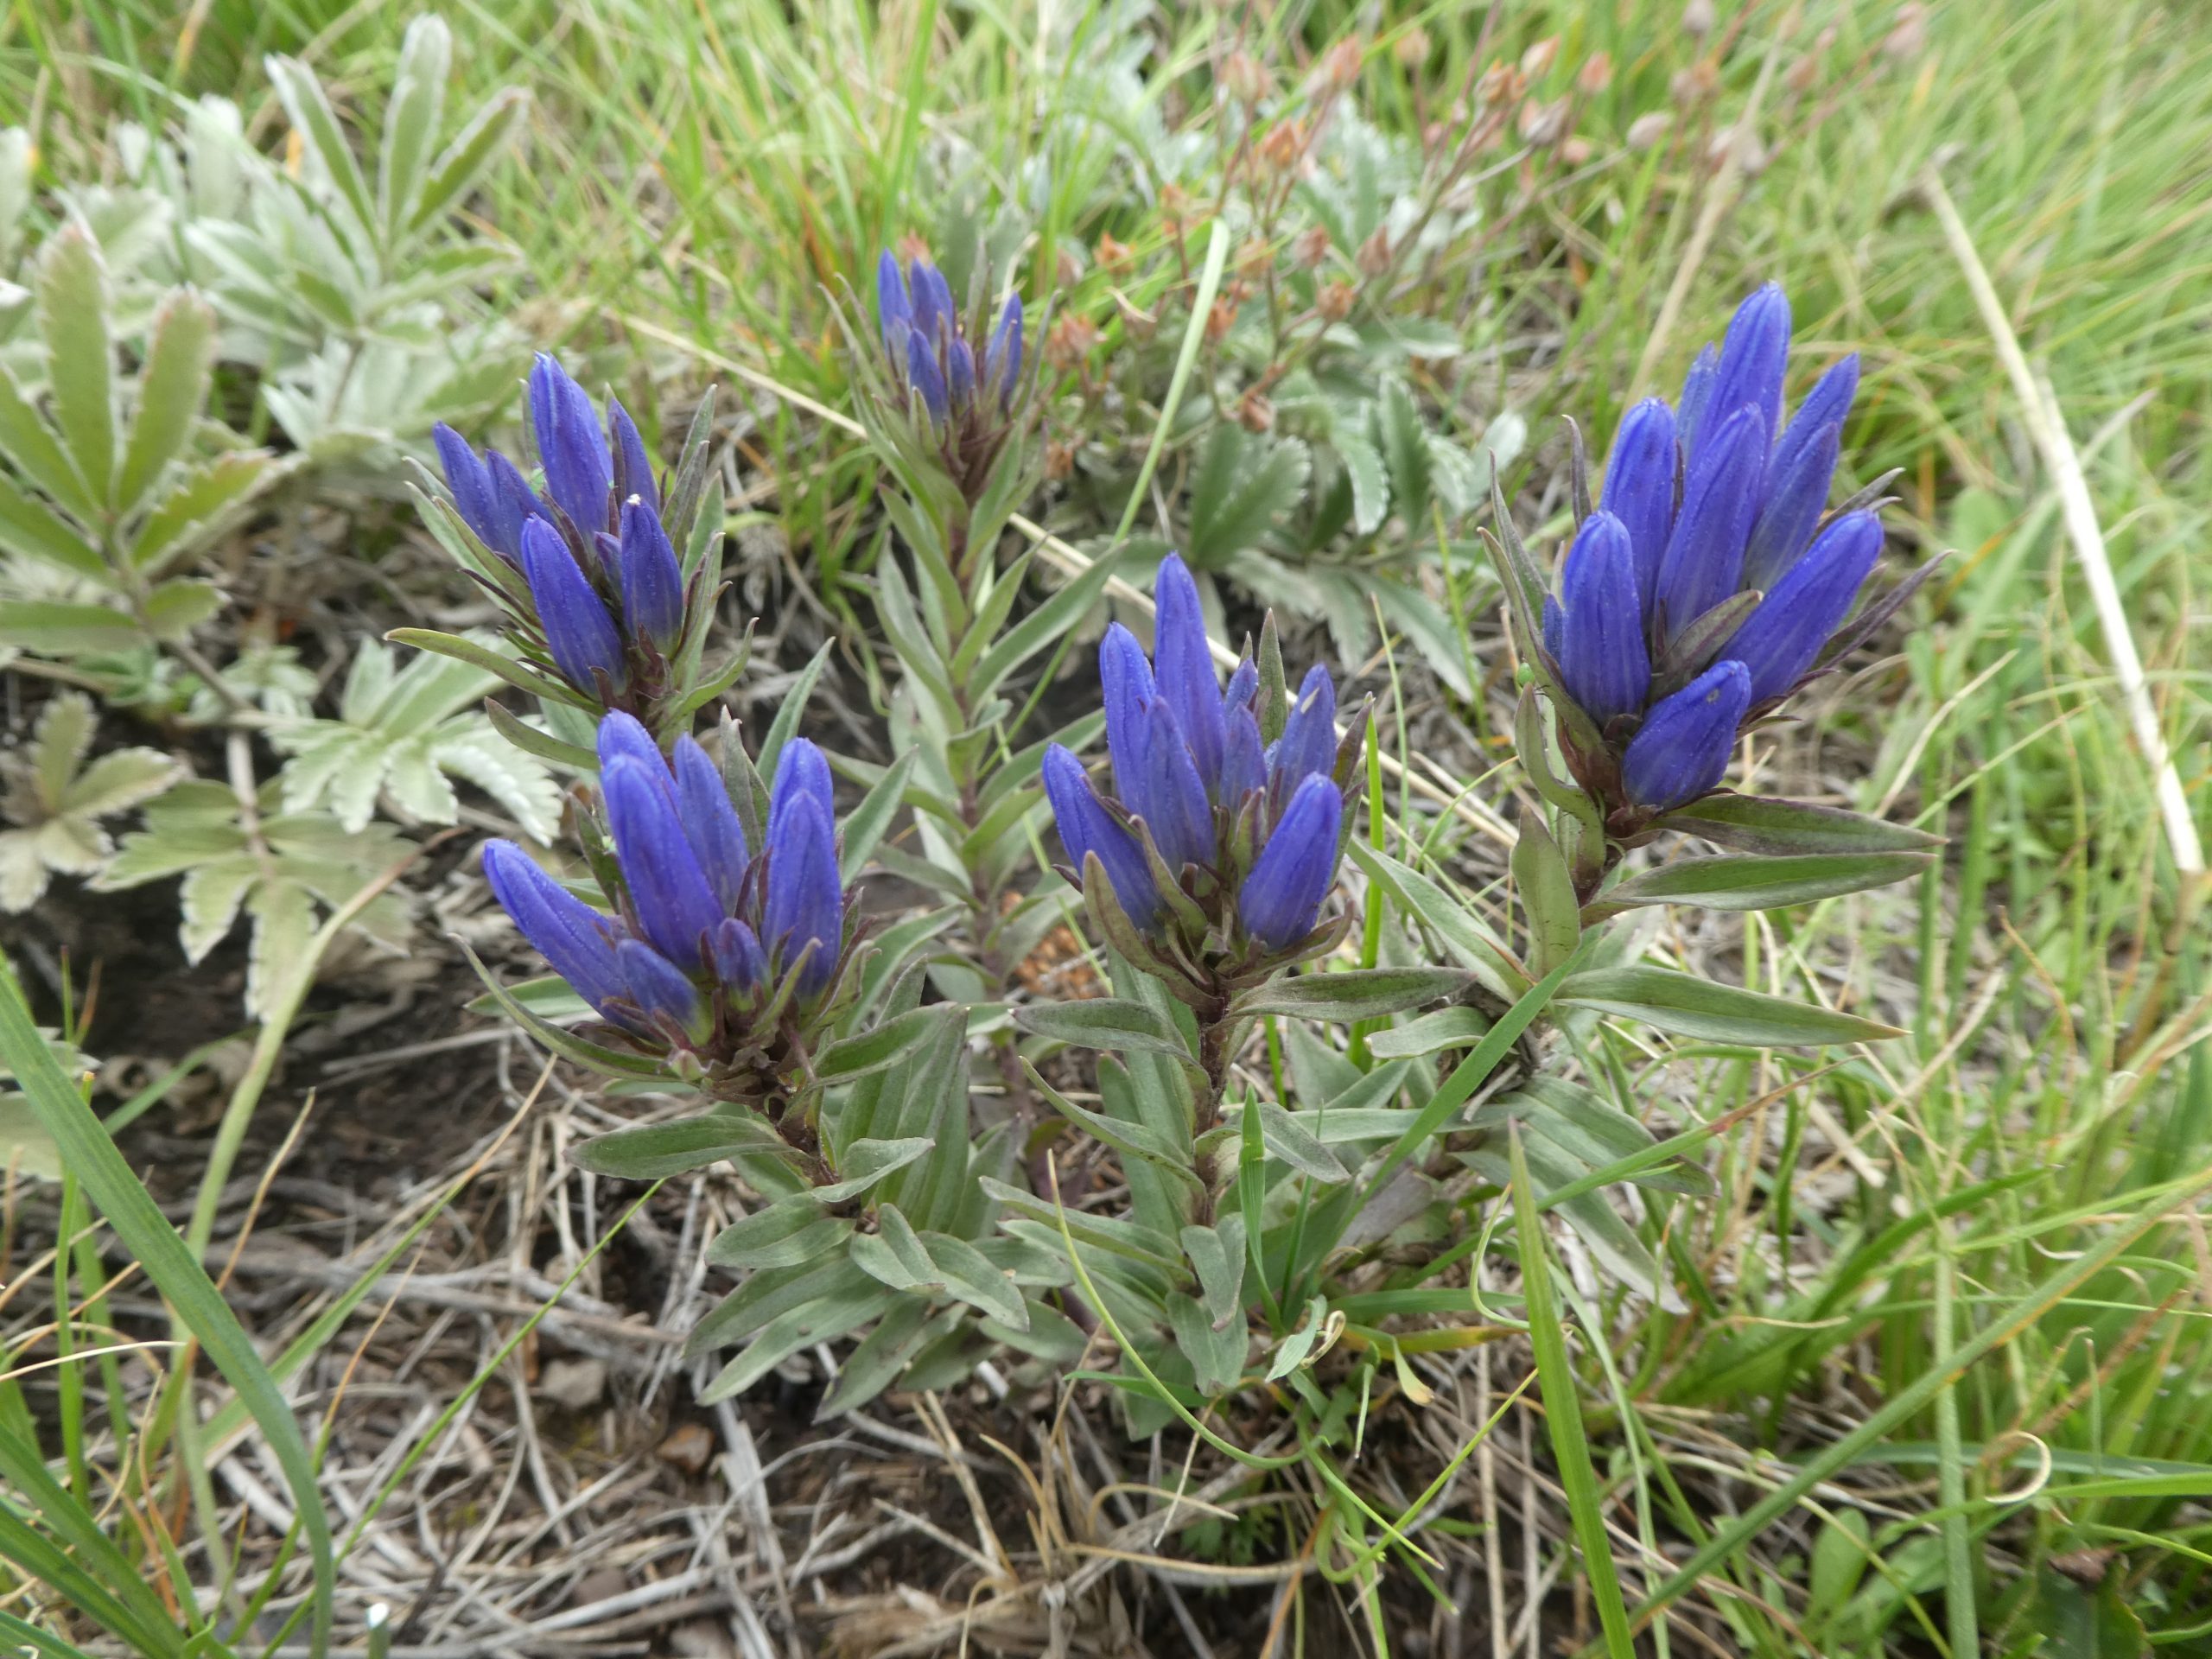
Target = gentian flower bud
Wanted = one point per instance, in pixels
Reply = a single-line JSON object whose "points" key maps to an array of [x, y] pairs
{"points": [[1640, 489], [1784, 637], [1244, 761], [1602, 656], [802, 769], [633, 466], [1697, 395], [661, 990], [1125, 678], [1753, 357], [739, 959], [1704, 560], [578, 631], [578, 471], [653, 581], [625, 734], [1183, 665], [1308, 743], [676, 905], [927, 377], [1087, 827], [894, 310], [710, 822], [932, 299], [1799, 476], [514, 504], [471, 485], [1165, 791], [805, 898], [1280, 899], [959, 374], [1682, 750], [570, 934]]}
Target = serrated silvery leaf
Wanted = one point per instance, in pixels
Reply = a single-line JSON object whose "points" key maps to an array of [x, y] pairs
{"points": [[1370, 480], [172, 390], [72, 300], [411, 120], [1402, 436], [1244, 483]]}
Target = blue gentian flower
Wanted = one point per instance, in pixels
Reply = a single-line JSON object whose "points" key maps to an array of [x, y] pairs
{"points": [[608, 596], [704, 932], [1706, 586], [1248, 831]]}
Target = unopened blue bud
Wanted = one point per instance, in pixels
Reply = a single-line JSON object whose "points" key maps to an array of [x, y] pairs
{"points": [[676, 905], [1600, 650], [1087, 827], [1182, 663], [711, 822], [1166, 793], [578, 631], [1281, 898], [1640, 488], [1308, 743], [1682, 750], [925, 377], [661, 990], [653, 581], [933, 300], [1782, 638], [1704, 560], [894, 311], [571, 447], [805, 898], [740, 961], [633, 466], [1753, 357], [574, 938]]}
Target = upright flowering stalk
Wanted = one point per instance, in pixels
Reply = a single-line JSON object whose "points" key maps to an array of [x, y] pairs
{"points": [[587, 568], [723, 956], [1710, 582], [1207, 861]]}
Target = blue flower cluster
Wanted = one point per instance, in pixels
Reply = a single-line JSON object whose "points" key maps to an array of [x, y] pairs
{"points": [[606, 585], [709, 941], [1705, 588], [927, 346], [1202, 808]]}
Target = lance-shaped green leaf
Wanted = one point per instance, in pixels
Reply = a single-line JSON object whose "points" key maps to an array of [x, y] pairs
{"points": [[480, 141], [1751, 881], [906, 1260], [1041, 627], [785, 1234], [1454, 1027], [1353, 995], [30, 528], [879, 1049], [1463, 935], [1759, 823], [411, 120], [1687, 1005], [79, 356], [823, 1318], [865, 824], [867, 1162], [1215, 1352], [26, 439], [325, 141], [1113, 1023], [1546, 889], [1126, 1135], [171, 393], [651, 1152]]}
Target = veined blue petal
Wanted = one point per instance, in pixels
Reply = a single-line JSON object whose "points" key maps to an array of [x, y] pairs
{"points": [[1779, 641], [1640, 487], [1308, 743], [1244, 761], [570, 934], [925, 377], [625, 734], [1280, 899], [653, 581], [1796, 494], [806, 900], [1704, 563], [709, 821], [515, 503], [677, 907], [1183, 666], [1166, 792], [1125, 680], [1697, 395], [802, 769], [633, 470], [571, 447], [740, 961], [1682, 750], [960, 373], [1002, 356], [661, 989], [1828, 403], [470, 483], [1602, 656], [1754, 355], [578, 631], [1244, 690], [932, 296], [894, 311], [1086, 826]]}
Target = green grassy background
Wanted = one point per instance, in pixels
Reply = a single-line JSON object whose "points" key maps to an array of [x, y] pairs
{"points": [[709, 168]]}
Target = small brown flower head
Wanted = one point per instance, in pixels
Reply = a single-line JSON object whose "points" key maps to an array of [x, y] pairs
{"points": [[1544, 124], [1698, 18], [1411, 48], [1245, 78], [1059, 461], [1576, 151], [1374, 256], [1340, 65], [1334, 301], [1174, 207], [1310, 247], [1907, 36], [1220, 320], [1648, 130], [1595, 75], [1069, 340], [1255, 413], [1537, 62], [1501, 83], [1114, 256], [1693, 86], [1282, 144], [1254, 256]]}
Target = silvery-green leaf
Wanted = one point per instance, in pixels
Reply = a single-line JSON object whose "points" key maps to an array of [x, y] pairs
{"points": [[79, 356]]}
